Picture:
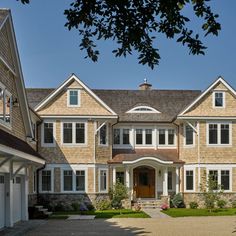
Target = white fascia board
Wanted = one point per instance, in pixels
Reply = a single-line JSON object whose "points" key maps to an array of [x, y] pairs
{"points": [[148, 159], [79, 117], [55, 92], [20, 154], [206, 117], [219, 80], [20, 83]]}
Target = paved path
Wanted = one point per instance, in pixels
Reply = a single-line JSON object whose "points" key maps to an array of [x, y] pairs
{"points": [[155, 213], [186, 226]]}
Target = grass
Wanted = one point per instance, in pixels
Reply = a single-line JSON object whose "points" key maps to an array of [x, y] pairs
{"points": [[183, 212], [123, 213]]}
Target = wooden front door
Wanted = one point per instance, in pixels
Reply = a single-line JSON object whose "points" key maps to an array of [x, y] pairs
{"points": [[144, 182]]}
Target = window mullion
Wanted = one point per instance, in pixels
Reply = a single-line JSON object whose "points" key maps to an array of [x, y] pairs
{"points": [[144, 136], [166, 137], [219, 133]]}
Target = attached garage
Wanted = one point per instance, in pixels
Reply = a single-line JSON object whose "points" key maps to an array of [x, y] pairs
{"points": [[17, 192]]}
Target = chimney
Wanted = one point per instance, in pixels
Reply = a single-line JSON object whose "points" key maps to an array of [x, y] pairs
{"points": [[145, 85]]}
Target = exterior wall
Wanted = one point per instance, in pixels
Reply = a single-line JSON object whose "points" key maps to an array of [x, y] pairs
{"points": [[8, 80], [88, 105], [205, 106]]}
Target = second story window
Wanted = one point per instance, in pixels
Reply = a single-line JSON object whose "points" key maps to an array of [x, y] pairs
{"points": [[73, 133], [48, 133], [121, 136], [125, 136], [219, 99], [167, 137], [162, 137], [103, 135], [116, 136], [219, 134], [139, 136], [73, 97], [189, 135], [143, 136]]}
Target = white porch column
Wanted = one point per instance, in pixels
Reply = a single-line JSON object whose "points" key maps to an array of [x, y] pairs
{"points": [[24, 196], [165, 181], [114, 175], [9, 196], [177, 180], [127, 177]]}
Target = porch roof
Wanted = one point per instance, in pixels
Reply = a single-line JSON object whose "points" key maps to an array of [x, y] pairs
{"points": [[16, 147], [164, 155]]}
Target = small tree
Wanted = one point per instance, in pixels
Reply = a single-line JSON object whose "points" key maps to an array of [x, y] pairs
{"points": [[211, 193], [117, 194]]}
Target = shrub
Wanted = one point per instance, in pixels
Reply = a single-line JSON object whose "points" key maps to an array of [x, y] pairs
{"points": [[193, 205], [59, 207], [211, 193], [234, 204], [221, 203], [103, 204], [117, 194], [177, 201], [90, 206], [75, 206]]}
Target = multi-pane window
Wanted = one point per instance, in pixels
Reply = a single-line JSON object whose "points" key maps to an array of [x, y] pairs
{"points": [[67, 133], [221, 178], [225, 179], [148, 136], [219, 99], [120, 176], [48, 133], [5, 106], [80, 133], [171, 135], [103, 135], [189, 180], [35, 181], [103, 180], [73, 133], [125, 136], [80, 180], [139, 136], [213, 174], [68, 180], [188, 135], [170, 186], [46, 180], [162, 136], [2, 180], [219, 133], [116, 136], [73, 97]]}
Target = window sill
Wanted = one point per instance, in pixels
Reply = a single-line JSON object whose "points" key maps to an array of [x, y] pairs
{"points": [[189, 146], [74, 144], [48, 145], [219, 145]]}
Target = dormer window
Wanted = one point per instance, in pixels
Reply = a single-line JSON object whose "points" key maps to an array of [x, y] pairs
{"points": [[73, 98], [143, 109], [218, 99]]}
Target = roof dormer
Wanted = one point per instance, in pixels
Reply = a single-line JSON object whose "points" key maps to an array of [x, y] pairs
{"points": [[143, 109]]}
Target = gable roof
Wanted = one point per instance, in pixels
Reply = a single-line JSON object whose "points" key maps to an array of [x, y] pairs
{"points": [[6, 19], [219, 80], [54, 93], [168, 102]]}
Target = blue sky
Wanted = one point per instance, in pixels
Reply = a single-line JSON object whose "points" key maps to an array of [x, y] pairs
{"points": [[50, 53]]}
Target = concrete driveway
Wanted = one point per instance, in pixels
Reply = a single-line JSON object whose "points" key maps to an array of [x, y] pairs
{"points": [[189, 226]]}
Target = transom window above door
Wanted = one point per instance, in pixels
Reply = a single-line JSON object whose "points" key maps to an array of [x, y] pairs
{"points": [[73, 97]]}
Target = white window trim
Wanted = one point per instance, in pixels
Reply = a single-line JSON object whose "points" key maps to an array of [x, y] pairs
{"points": [[52, 181], [74, 133], [151, 110], [172, 179], [213, 99], [219, 169], [107, 137], [54, 134], [6, 92], [144, 137], [74, 180], [99, 176], [166, 145], [194, 179], [194, 138], [219, 134], [121, 145], [68, 97]]}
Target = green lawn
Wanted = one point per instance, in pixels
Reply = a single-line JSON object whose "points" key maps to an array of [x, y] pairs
{"points": [[124, 213], [182, 212]]}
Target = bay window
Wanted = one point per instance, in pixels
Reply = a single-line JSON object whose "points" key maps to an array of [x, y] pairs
{"points": [[139, 136], [67, 180], [125, 136], [189, 180], [221, 178], [80, 180], [162, 139]]}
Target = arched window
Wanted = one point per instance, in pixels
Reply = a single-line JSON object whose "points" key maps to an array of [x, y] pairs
{"points": [[143, 109]]}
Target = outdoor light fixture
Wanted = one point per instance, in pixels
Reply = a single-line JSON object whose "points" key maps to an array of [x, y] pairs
{"points": [[159, 173]]}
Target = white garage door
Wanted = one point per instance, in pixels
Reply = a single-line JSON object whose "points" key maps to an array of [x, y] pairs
{"points": [[2, 201], [17, 199]]}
